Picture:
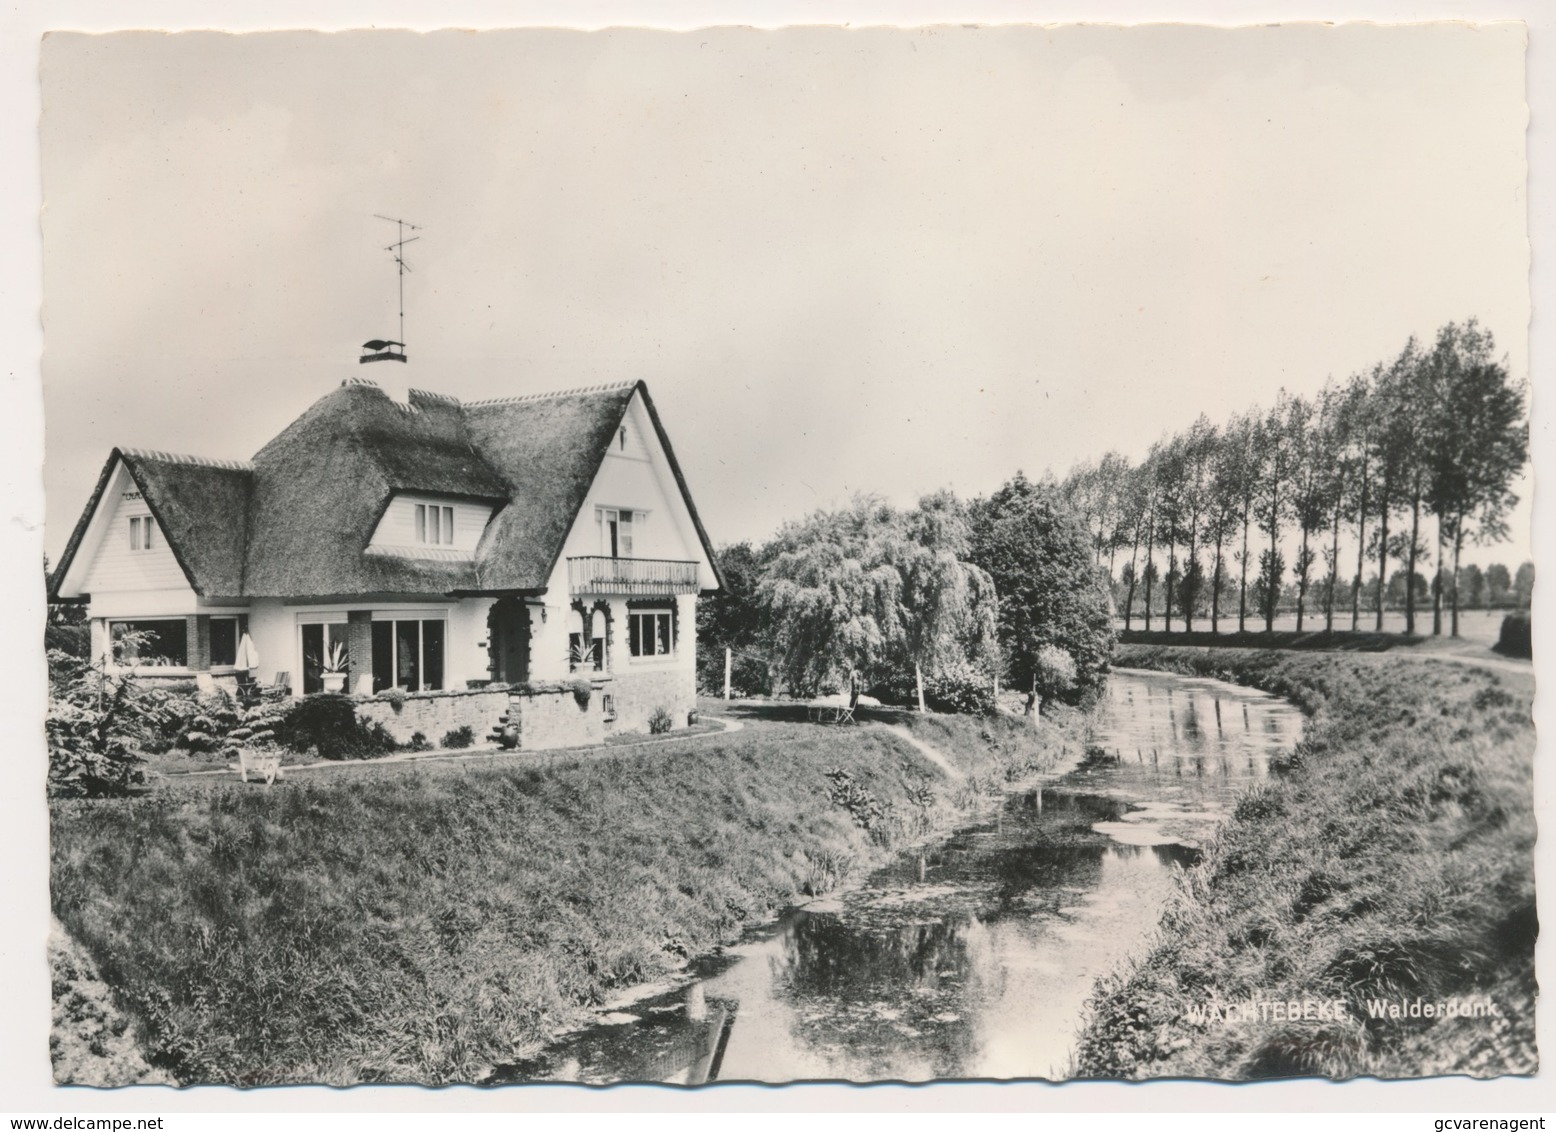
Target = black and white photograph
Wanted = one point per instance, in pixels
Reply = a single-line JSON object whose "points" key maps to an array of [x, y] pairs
{"points": [[808, 554]]}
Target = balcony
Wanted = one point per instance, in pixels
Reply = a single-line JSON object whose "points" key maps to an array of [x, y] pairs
{"points": [[638, 577]]}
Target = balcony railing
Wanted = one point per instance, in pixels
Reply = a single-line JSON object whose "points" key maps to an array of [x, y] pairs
{"points": [[645, 577]]}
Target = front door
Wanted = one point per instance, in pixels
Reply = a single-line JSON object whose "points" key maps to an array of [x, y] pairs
{"points": [[508, 625]]}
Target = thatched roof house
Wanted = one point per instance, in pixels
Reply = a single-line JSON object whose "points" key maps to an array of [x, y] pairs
{"points": [[370, 522]]}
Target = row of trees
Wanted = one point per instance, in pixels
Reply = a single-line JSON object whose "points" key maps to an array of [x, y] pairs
{"points": [[1494, 588], [954, 594], [1348, 478]]}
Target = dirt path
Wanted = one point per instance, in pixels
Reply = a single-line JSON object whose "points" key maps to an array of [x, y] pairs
{"points": [[922, 747], [1473, 660]]}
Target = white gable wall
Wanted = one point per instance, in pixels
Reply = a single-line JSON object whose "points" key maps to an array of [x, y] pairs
{"points": [[123, 582], [113, 565], [638, 479]]}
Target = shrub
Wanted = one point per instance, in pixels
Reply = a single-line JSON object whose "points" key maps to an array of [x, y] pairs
{"points": [[459, 738], [94, 725], [1055, 672], [962, 688], [660, 722], [418, 742], [329, 722], [748, 675], [1515, 639], [395, 696], [862, 805]]}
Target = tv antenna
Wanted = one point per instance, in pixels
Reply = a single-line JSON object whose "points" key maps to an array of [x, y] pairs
{"points": [[381, 350]]}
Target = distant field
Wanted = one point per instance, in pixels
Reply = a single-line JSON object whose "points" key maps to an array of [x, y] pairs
{"points": [[1475, 626]]}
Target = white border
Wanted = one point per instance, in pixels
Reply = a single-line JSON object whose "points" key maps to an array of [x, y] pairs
{"points": [[24, 1066]]}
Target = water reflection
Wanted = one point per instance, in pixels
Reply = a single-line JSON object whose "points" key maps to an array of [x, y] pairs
{"points": [[972, 958]]}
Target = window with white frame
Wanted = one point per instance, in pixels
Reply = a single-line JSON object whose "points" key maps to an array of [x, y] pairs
{"points": [[408, 653], [616, 531], [651, 632], [141, 528], [434, 524]]}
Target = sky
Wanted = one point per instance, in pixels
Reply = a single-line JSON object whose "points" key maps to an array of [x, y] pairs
{"points": [[874, 260]]}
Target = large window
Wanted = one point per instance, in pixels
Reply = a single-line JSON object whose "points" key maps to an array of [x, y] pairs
{"points": [[616, 532], [319, 638], [408, 654], [224, 641], [150, 642], [434, 524], [651, 632], [141, 528]]}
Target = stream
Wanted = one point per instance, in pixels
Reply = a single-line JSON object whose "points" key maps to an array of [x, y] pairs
{"points": [[974, 957]]}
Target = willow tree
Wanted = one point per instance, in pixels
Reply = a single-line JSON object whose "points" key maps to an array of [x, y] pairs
{"points": [[870, 588], [948, 603], [832, 593]]}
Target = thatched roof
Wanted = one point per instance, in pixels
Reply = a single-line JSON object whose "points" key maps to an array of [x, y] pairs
{"points": [[548, 449], [322, 485], [297, 521], [200, 504]]}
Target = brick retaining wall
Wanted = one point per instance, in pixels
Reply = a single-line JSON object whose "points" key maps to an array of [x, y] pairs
{"points": [[545, 719], [640, 691], [435, 714], [555, 719]]}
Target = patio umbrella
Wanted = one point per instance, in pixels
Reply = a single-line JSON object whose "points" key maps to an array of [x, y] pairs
{"points": [[248, 655]]}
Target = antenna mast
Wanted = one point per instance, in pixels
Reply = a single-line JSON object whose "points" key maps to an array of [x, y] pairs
{"points": [[382, 351]]}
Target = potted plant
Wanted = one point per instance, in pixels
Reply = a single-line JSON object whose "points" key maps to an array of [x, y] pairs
{"points": [[332, 669]]}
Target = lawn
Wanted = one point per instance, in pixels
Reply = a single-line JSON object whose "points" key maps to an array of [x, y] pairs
{"points": [[1392, 863], [1478, 628], [423, 922]]}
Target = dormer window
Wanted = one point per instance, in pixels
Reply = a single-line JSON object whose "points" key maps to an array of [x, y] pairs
{"points": [[141, 527], [434, 524]]}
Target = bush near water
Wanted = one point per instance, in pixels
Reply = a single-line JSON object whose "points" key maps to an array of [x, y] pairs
{"points": [[1516, 638], [1393, 860], [425, 922]]}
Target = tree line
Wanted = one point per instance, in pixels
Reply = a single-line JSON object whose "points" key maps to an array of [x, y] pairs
{"points": [[1404, 463], [938, 604]]}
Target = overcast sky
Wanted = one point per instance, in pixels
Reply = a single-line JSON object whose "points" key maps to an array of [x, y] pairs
{"points": [[843, 260]]}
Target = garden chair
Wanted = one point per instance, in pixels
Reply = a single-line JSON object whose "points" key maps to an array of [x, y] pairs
{"points": [[266, 764]]}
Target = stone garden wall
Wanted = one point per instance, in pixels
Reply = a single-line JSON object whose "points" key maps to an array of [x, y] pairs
{"points": [[639, 692], [435, 714], [556, 718]]}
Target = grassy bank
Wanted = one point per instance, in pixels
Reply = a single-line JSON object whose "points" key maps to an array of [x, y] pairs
{"points": [[421, 923], [1393, 861], [1339, 641]]}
